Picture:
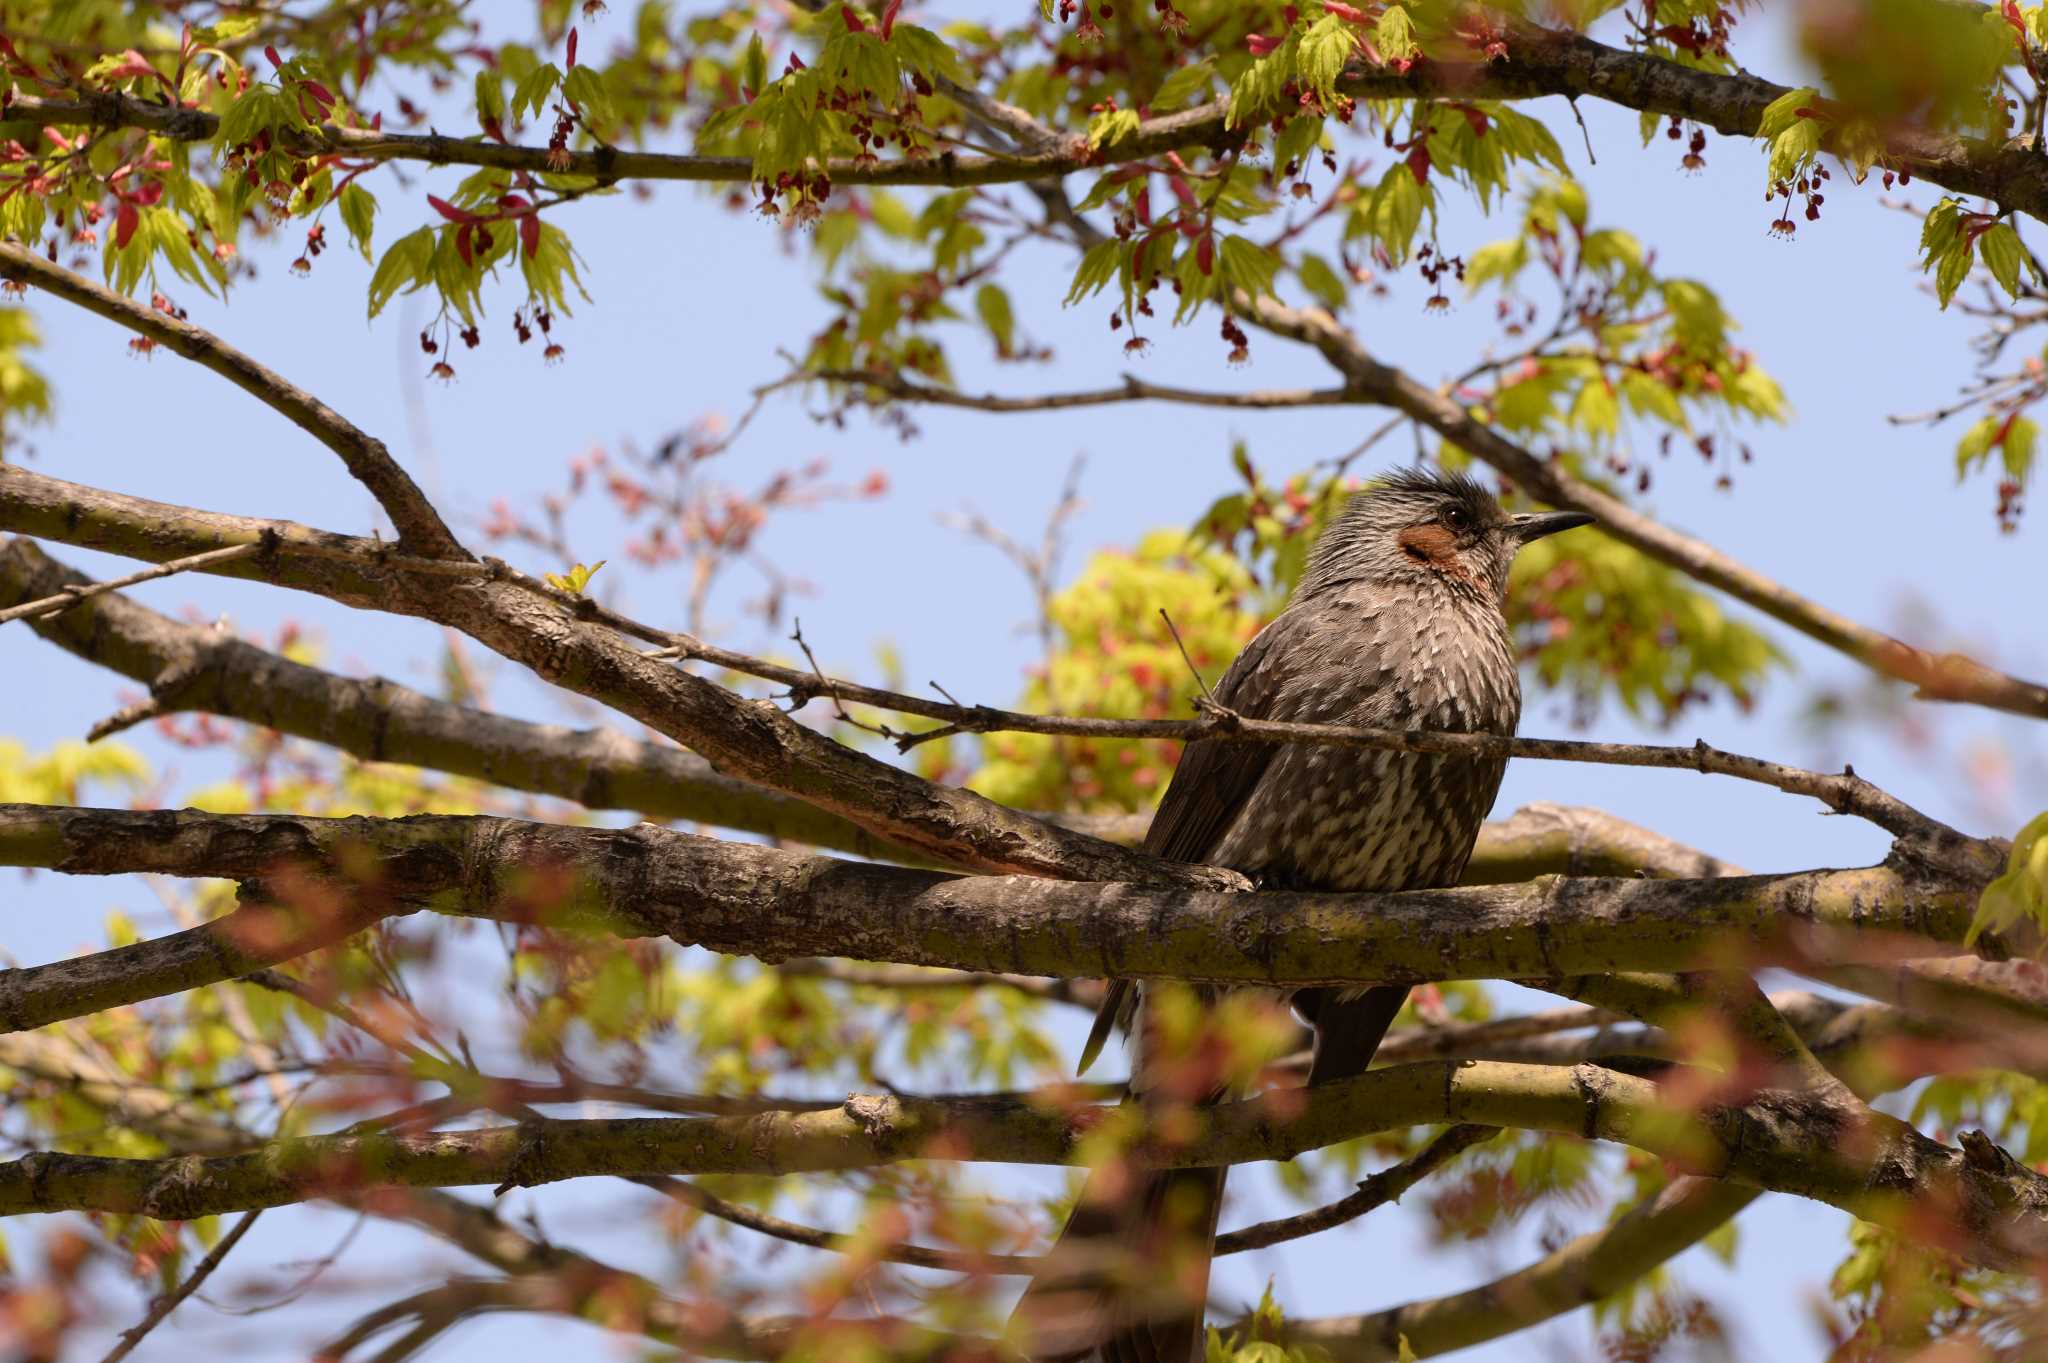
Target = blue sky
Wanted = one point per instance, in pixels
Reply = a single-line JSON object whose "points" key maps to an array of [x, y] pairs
{"points": [[691, 304]]}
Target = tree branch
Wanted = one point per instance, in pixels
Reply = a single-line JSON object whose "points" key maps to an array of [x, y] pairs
{"points": [[420, 527], [1867, 1163], [746, 899], [532, 626], [1537, 62], [162, 1307], [190, 668], [65, 599], [1950, 677]]}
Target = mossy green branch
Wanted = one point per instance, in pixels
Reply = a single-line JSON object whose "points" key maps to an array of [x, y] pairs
{"points": [[1792, 1142]]}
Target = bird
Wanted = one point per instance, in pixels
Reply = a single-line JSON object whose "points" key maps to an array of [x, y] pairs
{"points": [[1397, 622]]}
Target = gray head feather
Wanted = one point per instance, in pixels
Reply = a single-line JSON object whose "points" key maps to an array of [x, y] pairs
{"points": [[1418, 530]]}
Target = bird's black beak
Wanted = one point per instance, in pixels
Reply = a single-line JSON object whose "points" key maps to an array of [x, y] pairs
{"points": [[1531, 527]]}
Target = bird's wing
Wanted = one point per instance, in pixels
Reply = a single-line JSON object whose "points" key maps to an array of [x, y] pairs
{"points": [[1210, 785], [1213, 780]]}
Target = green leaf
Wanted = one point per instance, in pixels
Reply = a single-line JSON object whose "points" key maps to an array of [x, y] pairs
{"points": [[1953, 269], [1096, 269], [531, 94], [1595, 411], [1792, 148], [1325, 48], [407, 265], [578, 577], [2021, 894], [992, 305], [1394, 35], [584, 88], [754, 69], [1975, 446], [1111, 126], [1501, 260], [1782, 112], [1652, 398], [1320, 279], [490, 95], [2020, 438], [358, 215], [1247, 264], [2001, 252], [1183, 85]]}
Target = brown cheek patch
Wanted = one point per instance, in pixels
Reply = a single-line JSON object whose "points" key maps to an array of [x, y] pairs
{"points": [[1436, 546]]}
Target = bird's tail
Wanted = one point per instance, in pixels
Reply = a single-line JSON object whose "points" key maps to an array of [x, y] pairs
{"points": [[1350, 1024], [1128, 1280]]}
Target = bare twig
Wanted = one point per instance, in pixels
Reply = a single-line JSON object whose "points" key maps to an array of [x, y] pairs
{"points": [[170, 1301], [1210, 703], [420, 528], [1384, 1187], [71, 596]]}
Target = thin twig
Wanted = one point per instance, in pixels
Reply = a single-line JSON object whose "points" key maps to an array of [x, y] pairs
{"points": [[1386, 1186], [420, 527], [171, 1300], [1845, 793], [1207, 695], [71, 596]]}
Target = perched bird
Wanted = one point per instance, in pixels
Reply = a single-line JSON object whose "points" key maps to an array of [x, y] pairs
{"points": [[1397, 623]]}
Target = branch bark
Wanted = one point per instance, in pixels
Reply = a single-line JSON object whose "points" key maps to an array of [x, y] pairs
{"points": [[190, 668], [1867, 1163], [321, 876], [751, 740], [420, 528], [1538, 62]]}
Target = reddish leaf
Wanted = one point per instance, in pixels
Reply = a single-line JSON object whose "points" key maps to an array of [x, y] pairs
{"points": [[275, 60], [320, 95], [1418, 162], [463, 246], [529, 233], [149, 194], [450, 211], [854, 23], [133, 65], [1345, 12], [1183, 191], [1259, 44], [889, 17], [572, 49], [124, 224], [1205, 254]]}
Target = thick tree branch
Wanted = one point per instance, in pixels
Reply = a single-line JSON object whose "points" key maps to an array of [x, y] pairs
{"points": [[1950, 677], [760, 901], [191, 668], [1584, 1270], [1537, 63], [1870, 1164], [420, 528], [747, 739]]}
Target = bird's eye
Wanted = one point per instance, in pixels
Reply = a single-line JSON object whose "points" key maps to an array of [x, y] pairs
{"points": [[1457, 518]]}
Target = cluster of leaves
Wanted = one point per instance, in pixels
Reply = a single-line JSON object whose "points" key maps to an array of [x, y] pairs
{"points": [[24, 392]]}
